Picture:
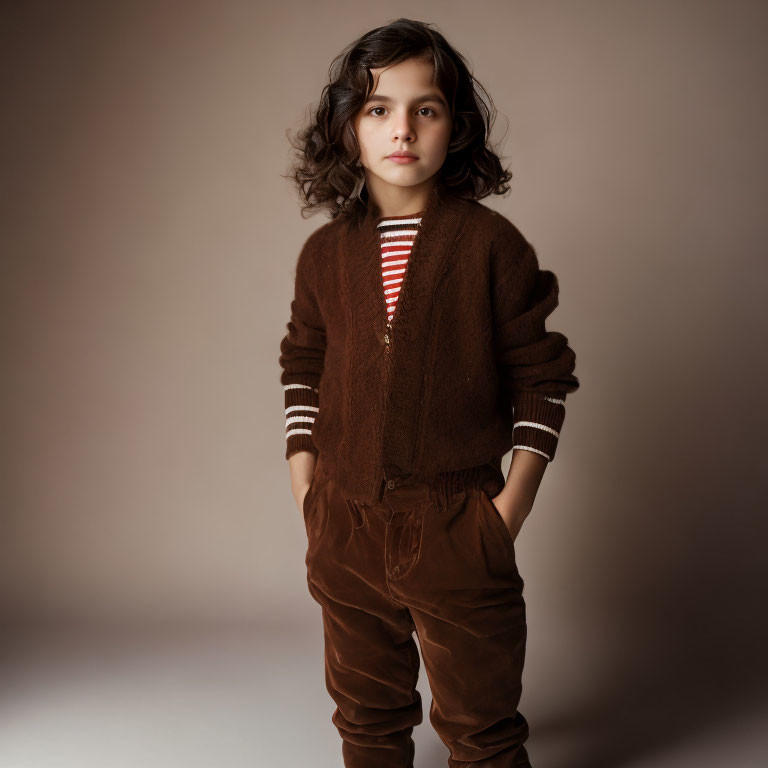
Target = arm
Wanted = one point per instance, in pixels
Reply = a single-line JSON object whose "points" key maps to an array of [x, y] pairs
{"points": [[536, 367], [302, 356]]}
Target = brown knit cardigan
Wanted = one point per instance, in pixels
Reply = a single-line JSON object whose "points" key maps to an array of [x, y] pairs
{"points": [[467, 373]]}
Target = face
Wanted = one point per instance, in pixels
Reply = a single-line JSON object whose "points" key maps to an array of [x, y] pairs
{"points": [[406, 111]]}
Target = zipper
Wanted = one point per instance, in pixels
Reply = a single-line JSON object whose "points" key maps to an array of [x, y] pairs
{"points": [[387, 365], [389, 340], [387, 368]]}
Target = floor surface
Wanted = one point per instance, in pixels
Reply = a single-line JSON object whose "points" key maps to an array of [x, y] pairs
{"points": [[246, 698]]}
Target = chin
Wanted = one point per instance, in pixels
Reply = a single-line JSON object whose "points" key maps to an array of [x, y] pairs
{"points": [[407, 178]]}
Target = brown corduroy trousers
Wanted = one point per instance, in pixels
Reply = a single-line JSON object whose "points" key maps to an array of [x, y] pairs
{"points": [[438, 559]]}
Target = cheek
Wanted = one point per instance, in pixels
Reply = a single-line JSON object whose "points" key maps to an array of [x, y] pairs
{"points": [[441, 134], [439, 140], [365, 137]]}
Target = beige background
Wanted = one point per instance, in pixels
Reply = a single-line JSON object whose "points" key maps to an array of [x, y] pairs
{"points": [[148, 252]]}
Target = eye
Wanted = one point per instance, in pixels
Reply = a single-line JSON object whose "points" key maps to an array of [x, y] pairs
{"points": [[421, 109]]}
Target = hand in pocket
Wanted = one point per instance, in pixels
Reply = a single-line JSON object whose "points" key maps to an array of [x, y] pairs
{"points": [[508, 513]]}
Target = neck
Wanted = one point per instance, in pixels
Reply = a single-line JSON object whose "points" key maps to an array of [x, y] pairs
{"points": [[399, 201]]}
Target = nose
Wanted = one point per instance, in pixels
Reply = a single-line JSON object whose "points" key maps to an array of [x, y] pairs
{"points": [[402, 130]]}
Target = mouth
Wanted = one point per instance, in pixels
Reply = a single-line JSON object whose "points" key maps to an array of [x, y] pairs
{"points": [[402, 158]]}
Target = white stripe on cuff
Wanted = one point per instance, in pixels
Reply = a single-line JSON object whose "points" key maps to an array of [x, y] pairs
{"points": [[314, 408], [537, 426], [294, 419], [529, 448], [298, 431]]}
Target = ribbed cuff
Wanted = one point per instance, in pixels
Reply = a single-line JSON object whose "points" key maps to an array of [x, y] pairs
{"points": [[298, 443], [301, 408], [538, 419]]}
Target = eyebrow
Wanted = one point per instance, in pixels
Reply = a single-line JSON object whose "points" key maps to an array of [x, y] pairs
{"points": [[436, 97]]}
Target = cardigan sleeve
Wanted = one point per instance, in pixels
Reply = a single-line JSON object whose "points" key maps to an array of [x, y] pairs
{"points": [[535, 364], [302, 355]]}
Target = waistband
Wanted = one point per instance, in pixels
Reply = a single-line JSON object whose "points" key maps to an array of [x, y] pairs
{"points": [[441, 486]]}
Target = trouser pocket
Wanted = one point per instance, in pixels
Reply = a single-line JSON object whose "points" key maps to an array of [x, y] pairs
{"points": [[312, 506], [497, 539]]}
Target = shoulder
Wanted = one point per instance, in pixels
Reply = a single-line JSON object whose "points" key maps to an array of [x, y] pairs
{"points": [[320, 241], [501, 239], [323, 235], [497, 229]]}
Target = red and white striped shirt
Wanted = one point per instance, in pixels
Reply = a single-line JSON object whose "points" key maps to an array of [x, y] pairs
{"points": [[398, 234]]}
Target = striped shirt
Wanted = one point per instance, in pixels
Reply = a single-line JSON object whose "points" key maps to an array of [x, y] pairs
{"points": [[398, 234]]}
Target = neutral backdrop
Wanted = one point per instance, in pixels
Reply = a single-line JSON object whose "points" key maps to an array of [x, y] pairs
{"points": [[149, 245]]}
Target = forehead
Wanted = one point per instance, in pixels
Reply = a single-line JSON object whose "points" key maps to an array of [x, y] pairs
{"points": [[410, 82], [406, 79]]}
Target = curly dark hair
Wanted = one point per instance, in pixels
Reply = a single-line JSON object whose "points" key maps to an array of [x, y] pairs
{"points": [[327, 169]]}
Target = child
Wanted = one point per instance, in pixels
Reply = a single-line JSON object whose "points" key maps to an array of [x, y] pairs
{"points": [[416, 357]]}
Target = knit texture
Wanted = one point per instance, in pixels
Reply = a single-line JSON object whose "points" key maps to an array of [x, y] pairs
{"points": [[467, 371]]}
